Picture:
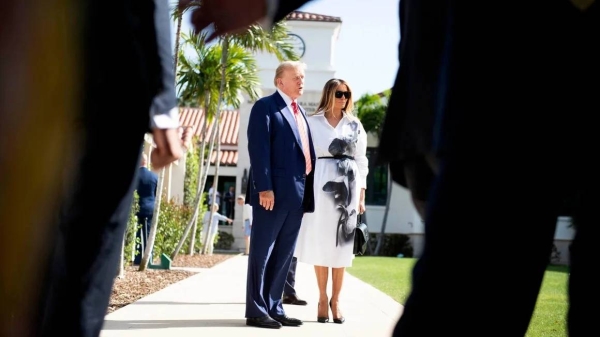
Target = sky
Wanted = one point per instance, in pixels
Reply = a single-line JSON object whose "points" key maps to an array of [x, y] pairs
{"points": [[367, 47]]}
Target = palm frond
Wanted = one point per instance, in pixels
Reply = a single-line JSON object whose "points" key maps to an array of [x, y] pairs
{"points": [[176, 12]]}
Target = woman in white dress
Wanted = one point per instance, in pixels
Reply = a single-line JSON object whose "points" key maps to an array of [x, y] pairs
{"points": [[326, 236]]}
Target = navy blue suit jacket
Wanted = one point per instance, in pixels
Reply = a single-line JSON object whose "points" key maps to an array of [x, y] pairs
{"points": [[276, 157], [146, 189]]}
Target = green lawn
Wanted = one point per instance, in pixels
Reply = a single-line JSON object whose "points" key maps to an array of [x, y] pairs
{"points": [[393, 276]]}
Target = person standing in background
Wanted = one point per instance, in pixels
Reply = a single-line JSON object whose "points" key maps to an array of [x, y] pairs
{"points": [[213, 228], [246, 221], [146, 190], [229, 201]]}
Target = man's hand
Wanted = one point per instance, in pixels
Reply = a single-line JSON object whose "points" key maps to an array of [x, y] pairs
{"points": [[170, 145], [228, 16], [229, 220], [267, 200]]}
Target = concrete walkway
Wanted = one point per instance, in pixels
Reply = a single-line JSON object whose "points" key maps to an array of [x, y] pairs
{"points": [[212, 303]]}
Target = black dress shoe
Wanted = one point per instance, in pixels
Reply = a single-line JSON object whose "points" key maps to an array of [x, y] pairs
{"points": [[263, 322], [287, 321], [292, 299]]}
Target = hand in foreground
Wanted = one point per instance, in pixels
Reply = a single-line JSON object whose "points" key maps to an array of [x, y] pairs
{"points": [[185, 134], [170, 145], [228, 16], [267, 200]]}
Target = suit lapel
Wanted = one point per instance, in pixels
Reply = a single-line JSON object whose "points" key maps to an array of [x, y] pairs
{"points": [[289, 117]]}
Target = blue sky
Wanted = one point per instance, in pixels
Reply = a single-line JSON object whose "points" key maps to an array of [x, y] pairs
{"points": [[367, 47]]}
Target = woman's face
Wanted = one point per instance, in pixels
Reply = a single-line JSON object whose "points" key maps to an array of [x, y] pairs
{"points": [[341, 96]]}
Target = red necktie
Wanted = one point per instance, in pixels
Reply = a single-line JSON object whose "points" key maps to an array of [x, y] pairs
{"points": [[303, 137]]}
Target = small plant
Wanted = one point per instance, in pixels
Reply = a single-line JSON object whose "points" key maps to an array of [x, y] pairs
{"points": [[191, 175], [224, 241], [171, 223], [393, 245], [132, 228]]}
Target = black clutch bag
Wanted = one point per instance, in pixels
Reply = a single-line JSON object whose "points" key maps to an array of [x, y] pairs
{"points": [[361, 237]]}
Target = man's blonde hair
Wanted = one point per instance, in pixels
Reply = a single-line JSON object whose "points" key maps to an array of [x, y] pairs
{"points": [[285, 65]]}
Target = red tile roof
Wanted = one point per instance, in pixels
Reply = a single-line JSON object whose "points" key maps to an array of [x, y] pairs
{"points": [[229, 126], [228, 130], [227, 157], [304, 16]]}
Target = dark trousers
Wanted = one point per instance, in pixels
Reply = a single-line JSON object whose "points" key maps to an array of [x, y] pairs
{"points": [[290, 280], [503, 177], [272, 243], [89, 240]]}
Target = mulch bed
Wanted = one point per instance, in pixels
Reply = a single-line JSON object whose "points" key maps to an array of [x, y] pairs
{"points": [[136, 284]]}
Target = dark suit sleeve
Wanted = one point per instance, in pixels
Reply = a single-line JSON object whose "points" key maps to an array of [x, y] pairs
{"points": [[259, 146], [163, 112]]}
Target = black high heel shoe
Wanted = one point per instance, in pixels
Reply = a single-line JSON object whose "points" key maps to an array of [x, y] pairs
{"points": [[339, 320], [321, 319]]}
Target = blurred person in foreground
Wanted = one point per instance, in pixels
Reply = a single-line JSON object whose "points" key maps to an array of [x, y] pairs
{"points": [[73, 126]]}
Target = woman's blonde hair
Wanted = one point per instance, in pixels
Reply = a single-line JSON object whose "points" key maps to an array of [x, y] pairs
{"points": [[328, 97]]}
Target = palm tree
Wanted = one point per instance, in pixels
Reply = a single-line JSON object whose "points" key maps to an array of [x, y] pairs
{"points": [[370, 109], [177, 14], [371, 112], [199, 81]]}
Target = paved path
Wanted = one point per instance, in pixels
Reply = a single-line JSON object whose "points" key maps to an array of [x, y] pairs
{"points": [[212, 303]]}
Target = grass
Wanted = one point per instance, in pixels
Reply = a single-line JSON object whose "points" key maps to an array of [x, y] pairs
{"points": [[389, 274], [393, 276]]}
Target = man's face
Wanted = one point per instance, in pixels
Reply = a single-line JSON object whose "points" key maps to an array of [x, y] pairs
{"points": [[292, 82], [240, 202]]}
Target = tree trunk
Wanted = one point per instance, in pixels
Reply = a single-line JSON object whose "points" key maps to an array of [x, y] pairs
{"points": [[385, 215], [122, 261], [217, 122], [200, 183], [132, 237], [177, 38], [155, 216], [203, 174], [193, 238], [215, 190]]}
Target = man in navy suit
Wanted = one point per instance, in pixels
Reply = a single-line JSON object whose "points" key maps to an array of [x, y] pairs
{"points": [[280, 189], [146, 190]]}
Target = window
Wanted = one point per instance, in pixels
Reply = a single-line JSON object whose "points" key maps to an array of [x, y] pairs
{"points": [[376, 193]]}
